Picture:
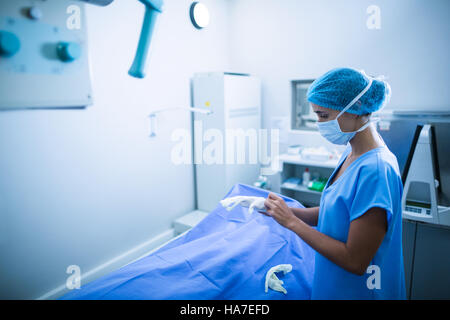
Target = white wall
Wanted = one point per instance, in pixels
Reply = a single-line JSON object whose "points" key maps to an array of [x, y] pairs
{"points": [[83, 186], [300, 39]]}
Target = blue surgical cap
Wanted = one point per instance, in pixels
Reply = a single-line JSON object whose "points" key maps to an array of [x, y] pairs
{"points": [[338, 87]]}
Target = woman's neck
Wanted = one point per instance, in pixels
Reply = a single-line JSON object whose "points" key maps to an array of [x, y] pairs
{"points": [[365, 140]]}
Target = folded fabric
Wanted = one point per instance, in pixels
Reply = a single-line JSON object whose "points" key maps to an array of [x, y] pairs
{"points": [[245, 201], [272, 280]]}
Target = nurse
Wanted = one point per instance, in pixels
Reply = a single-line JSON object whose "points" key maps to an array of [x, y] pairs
{"points": [[359, 223]]}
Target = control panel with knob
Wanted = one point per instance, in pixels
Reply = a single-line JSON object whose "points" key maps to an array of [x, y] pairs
{"points": [[9, 44], [43, 58], [68, 51], [34, 13]]}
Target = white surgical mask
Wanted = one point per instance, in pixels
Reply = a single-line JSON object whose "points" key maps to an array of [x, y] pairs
{"points": [[331, 130]]}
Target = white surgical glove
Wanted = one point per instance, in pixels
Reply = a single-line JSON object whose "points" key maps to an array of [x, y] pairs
{"points": [[272, 280], [245, 201]]}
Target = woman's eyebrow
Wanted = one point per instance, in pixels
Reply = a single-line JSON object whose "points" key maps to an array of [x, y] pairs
{"points": [[318, 111]]}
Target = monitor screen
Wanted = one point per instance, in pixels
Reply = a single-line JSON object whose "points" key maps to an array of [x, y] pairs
{"points": [[400, 136]]}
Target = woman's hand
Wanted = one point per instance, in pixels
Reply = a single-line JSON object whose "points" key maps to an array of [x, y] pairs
{"points": [[278, 209]]}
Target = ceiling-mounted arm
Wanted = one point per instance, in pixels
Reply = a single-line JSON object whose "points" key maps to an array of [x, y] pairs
{"points": [[152, 10]]}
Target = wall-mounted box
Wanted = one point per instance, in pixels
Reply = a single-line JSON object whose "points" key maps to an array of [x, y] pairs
{"points": [[302, 115], [43, 55]]}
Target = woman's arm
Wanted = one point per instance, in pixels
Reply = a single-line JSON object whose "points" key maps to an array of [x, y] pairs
{"points": [[364, 237], [307, 215]]}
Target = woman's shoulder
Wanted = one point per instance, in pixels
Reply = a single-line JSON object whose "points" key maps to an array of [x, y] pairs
{"points": [[380, 161]]}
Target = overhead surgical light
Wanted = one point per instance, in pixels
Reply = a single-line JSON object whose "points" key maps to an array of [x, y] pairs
{"points": [[199, 15]]}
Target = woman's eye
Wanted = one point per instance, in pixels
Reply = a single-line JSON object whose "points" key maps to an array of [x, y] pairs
{"points": [[323, 116]]}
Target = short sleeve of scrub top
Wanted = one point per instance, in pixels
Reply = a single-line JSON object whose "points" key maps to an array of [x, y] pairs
{"points": [[372, 180]]}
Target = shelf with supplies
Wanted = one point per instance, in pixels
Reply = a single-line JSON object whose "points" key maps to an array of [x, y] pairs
{"points": [[300, 188], [297, 159], [291, 177]]}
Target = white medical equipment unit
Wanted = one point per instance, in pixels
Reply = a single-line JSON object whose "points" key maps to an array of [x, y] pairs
{"points": [[420, 196], [235, 102], [421, 143]]}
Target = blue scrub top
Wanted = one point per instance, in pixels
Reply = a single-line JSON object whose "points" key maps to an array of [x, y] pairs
{"points": [[372, 180]]}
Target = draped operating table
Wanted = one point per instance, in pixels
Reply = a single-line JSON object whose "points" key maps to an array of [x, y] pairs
{"points": [[226, 256]]}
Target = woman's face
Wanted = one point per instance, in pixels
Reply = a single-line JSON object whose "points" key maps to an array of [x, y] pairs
{"points": [[347, 121]]}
